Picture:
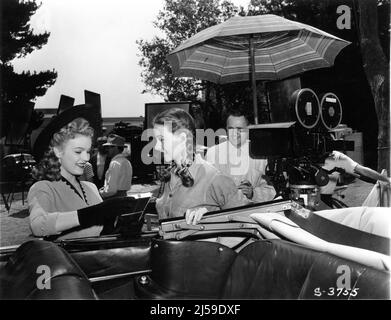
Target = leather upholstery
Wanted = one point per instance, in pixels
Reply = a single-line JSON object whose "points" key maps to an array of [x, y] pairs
{"points": [[373, 285], [272, 269], [198, 268], [324, 274], [269, 270], [104, 259], [67, 280]]}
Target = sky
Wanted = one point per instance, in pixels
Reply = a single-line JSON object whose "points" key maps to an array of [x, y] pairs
{"points": [[92, 46]]}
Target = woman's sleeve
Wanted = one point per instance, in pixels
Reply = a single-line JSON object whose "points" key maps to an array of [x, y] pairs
{"points": [[225, 194], [44, 219], [96, 197]]}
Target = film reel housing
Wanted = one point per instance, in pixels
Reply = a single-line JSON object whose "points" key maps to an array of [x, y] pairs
{"points": [[330, 110], [305, 108]]}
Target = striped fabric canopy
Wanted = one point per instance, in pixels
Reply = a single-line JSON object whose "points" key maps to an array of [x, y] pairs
{"points": [[282, 48]]}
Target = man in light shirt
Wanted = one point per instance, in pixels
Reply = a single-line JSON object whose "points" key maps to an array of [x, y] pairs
{"points": [[118, 178], [232, 157]]}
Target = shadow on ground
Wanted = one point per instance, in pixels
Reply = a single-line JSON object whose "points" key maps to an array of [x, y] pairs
{"points": [[20, 214]]}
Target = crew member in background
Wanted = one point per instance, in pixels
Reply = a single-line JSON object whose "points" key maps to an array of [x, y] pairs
{"points": [[339, 160], [232, 158], [100, 162], [118, 178]]}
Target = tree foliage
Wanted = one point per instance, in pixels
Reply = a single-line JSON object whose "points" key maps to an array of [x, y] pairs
{"points": [[179, 20], [323, 15], [157, 74], [18, 40]]}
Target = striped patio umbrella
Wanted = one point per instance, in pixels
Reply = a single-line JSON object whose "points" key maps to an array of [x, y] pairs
{"points": [[263, 47]]}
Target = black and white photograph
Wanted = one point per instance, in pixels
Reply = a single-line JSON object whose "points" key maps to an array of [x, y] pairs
{"points": [[191, 156]]}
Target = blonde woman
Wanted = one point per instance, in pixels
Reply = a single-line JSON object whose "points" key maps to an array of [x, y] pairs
{"points": [[60, 204]]}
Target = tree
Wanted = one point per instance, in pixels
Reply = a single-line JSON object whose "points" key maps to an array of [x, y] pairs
{"points": [[18, 40], [376, 68], [179, 20], [157, 75]]}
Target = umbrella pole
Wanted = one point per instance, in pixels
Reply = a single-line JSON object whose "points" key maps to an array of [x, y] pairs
{"points": [[253, 81]]}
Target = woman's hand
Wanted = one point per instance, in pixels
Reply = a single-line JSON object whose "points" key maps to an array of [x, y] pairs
{"points": [[194, 215]]}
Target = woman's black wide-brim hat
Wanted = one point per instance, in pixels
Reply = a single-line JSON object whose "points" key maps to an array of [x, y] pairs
{"points": [[89, 112]]}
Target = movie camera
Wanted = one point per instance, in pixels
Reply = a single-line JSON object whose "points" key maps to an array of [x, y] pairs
{"points": [[296, 150]]}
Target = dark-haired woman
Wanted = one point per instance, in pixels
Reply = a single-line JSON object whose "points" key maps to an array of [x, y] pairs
{"points": [[59, 203], [192, 186]]}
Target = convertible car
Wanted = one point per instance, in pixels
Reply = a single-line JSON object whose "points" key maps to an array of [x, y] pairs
{"points": [[270, 250]]}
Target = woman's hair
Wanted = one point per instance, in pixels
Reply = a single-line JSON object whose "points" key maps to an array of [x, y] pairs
{"points": [[179, 120], [49, 166]]}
